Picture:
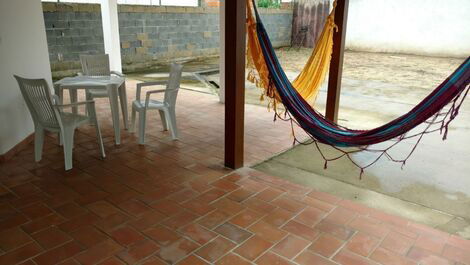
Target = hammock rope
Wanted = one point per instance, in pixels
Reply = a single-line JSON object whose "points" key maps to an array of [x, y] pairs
{"points": [[430, 112]]}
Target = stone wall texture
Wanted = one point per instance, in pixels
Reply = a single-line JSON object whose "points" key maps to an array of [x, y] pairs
{"points": [[149, 35]]}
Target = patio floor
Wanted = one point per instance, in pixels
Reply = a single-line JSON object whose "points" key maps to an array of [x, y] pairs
{"points": [[174, 203]]}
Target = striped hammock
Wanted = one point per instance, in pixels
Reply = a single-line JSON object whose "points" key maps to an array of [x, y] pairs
{"points": [[430, 111]]}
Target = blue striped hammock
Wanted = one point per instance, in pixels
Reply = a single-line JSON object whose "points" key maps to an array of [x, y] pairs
{"points": [[430, 111]]}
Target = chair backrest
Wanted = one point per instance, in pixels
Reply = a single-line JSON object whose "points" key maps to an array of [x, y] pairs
{"points": [[173, 84], [38, 98], [95, 64]]}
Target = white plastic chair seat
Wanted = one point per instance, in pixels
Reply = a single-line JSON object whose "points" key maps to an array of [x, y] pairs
{"points": [[98, 93], [153, 104], [70, 118]]}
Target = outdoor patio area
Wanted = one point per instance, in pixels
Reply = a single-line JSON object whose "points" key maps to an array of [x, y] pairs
{"points": [[173, 202]]}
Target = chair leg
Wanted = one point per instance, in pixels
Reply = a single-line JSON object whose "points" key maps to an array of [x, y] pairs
{"points": [[68, 146], [92, 115], [61, 139], [132, 128], [164, 121], [88, 97], [100, 139], [73, 98], [113, 102], [142, 121], [171, 117], [123, 99], [38, 143]]}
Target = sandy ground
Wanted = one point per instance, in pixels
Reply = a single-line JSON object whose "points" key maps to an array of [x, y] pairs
{"points": [[417, 73]]}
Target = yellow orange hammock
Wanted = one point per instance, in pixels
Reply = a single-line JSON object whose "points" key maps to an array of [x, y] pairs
{"points": [[309, 80]]}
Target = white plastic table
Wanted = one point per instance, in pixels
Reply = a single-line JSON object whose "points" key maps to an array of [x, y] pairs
{"points": [[114, 85]]}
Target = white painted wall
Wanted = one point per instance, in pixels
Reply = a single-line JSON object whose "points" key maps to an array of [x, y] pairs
{"points": [[425, 27], [23, 51]]}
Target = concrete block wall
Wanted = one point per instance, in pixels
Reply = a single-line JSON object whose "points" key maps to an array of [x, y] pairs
{"points": [[72, 30], [149, 34], [161, 34], [278, 26]]}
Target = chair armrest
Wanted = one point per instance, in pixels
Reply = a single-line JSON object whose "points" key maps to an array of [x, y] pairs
{"points": [[149, 93], [118, 73], [156, 91], [74, 104], [154, 83], [144, 84]]}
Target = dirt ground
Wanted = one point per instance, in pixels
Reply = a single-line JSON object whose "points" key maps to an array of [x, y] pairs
{"points": [[407, 70], [418, 74], [412, 71]]}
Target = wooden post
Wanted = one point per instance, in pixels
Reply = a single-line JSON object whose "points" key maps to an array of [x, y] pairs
{"points": [[235, 45], [336, 66]]}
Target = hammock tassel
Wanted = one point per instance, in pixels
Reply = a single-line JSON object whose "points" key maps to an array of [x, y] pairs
{"points": [[446, 130]]}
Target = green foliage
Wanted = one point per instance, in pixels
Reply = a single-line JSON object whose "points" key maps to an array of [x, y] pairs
{"points": [[269, 3]]}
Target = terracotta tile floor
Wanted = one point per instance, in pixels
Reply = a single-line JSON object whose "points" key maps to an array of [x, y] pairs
{"points": [[174, 203]]}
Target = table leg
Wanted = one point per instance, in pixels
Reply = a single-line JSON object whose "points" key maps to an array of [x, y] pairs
{"points": [[73, 98], [123, 98], [114, 103], [58, 93]]}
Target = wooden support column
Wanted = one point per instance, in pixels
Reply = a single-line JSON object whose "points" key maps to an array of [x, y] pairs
{"points": [[235, 45], [336, 66]]}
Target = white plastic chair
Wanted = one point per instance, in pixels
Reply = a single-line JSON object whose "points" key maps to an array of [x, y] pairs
{"points": [[166, 107], [48, 115], [98, 65]]}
